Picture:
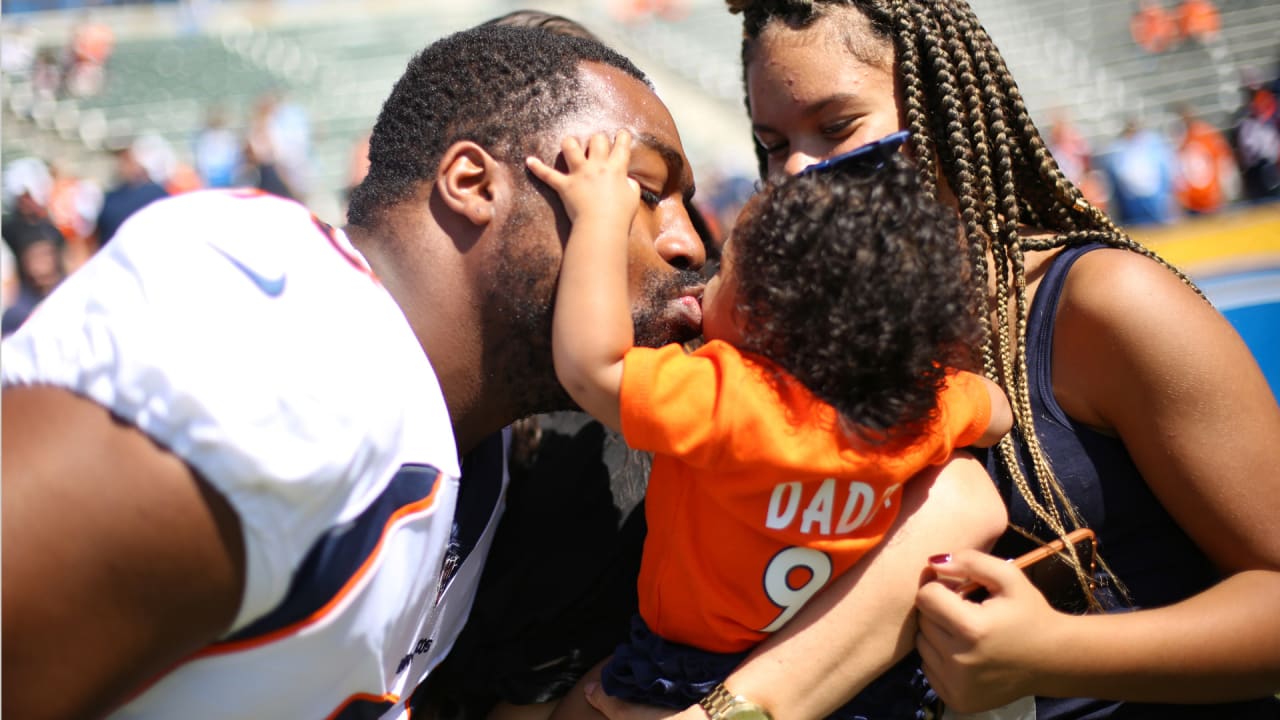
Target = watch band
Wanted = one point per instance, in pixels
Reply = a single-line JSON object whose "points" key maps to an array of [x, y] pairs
{"points": [[717, 702], [720, 704]]}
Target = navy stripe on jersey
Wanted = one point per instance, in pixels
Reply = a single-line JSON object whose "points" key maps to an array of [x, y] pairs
{"points": [[340, 553]]}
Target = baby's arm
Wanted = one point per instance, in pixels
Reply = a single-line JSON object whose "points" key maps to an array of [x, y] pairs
{"points": [[1001, 416], [591, 329]]}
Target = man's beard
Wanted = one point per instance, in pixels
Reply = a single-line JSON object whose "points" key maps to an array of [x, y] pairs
{"points": [[652, 325], [523, 303]]}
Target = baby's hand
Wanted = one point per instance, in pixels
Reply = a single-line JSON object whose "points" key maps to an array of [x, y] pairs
{"points": [[597, 181]]}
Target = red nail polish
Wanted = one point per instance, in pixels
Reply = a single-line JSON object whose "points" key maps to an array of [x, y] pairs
{"points": [[940, 559]]}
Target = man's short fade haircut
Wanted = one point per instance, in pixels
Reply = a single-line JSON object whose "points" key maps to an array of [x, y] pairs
{"points": [[500, 87]]}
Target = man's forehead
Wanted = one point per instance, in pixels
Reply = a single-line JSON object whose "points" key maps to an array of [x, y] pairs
{"points": [[615, 100]]}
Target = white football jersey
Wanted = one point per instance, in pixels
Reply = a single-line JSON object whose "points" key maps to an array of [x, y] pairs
{"points": [[252, 341]]}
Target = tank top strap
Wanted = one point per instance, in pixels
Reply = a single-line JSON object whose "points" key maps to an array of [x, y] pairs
{"points": [[1040, 326]]}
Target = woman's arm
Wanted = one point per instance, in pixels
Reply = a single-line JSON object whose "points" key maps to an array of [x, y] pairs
{"points": [[863, 623], [591, 329], [1139, 355]]}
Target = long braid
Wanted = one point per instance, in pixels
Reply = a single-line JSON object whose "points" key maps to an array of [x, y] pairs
{"points": [[1009, 221], [984, 108], [914, 98], [968, 118], [1063, 211], [1000, 191], [968, 135]]}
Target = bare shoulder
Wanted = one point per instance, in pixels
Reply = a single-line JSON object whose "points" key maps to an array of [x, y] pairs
{"points": [[112, 546], [1124, 305], [1131, 335], [1122, 283]]}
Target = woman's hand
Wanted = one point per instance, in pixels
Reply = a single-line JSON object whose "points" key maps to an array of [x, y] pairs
{"points": [[980, 656]]}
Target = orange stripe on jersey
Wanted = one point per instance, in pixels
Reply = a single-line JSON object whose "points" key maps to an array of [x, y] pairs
{"points": [[387, 699], [328, 232], [337, 562], [237, 646]]}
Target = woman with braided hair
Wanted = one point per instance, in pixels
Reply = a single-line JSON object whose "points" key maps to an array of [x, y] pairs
{"points": [[1139, 411]]}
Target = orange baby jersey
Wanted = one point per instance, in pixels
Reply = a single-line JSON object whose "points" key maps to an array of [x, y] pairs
{"points": [[756, 499]]}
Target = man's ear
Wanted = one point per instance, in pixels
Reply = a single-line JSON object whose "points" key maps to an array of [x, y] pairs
{"points": [[467, 181]]}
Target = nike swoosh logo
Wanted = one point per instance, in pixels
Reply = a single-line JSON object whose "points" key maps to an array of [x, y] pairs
{"points": [[273, 287]]}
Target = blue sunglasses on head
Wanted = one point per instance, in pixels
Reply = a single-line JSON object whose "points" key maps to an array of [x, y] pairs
{"points": [[863, 159]]}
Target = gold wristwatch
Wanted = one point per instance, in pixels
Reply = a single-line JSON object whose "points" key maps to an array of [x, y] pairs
{"points": [[721, 704]]}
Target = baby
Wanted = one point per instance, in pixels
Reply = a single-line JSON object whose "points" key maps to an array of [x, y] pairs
{"points": [[835, 330]]}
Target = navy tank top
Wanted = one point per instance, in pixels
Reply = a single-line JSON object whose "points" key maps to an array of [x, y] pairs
{"points": [[1141, 543]]}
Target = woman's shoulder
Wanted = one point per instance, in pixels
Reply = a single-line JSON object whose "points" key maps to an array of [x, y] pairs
{"points": [[1110, 284], [1120, 286], [1125, 324]]}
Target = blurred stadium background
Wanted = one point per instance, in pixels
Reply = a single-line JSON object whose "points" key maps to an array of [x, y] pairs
{"points": [[168, 66]]}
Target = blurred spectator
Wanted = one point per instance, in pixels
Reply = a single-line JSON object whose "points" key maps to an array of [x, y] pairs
{"points": [[183, 178], [8, 278], [134, 190], [41, 262], [1275, 76], [1198, 21], [27, 187], [705, 223], [217, 150], [18, 49], [1206, 177], [280, 138], [1256, 138], [261, 173], [1068, 146], [1152, 27], [291, 136], [261, 167], [547, 21], [74, 204], [727, 194], [46, 74], [195, 15], [157, 157], [637, 11], [1074, 156], [92, 42], [1140, 167]]}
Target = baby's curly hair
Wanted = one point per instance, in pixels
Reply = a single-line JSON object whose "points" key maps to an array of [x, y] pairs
{"points": [[858, 286]]}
